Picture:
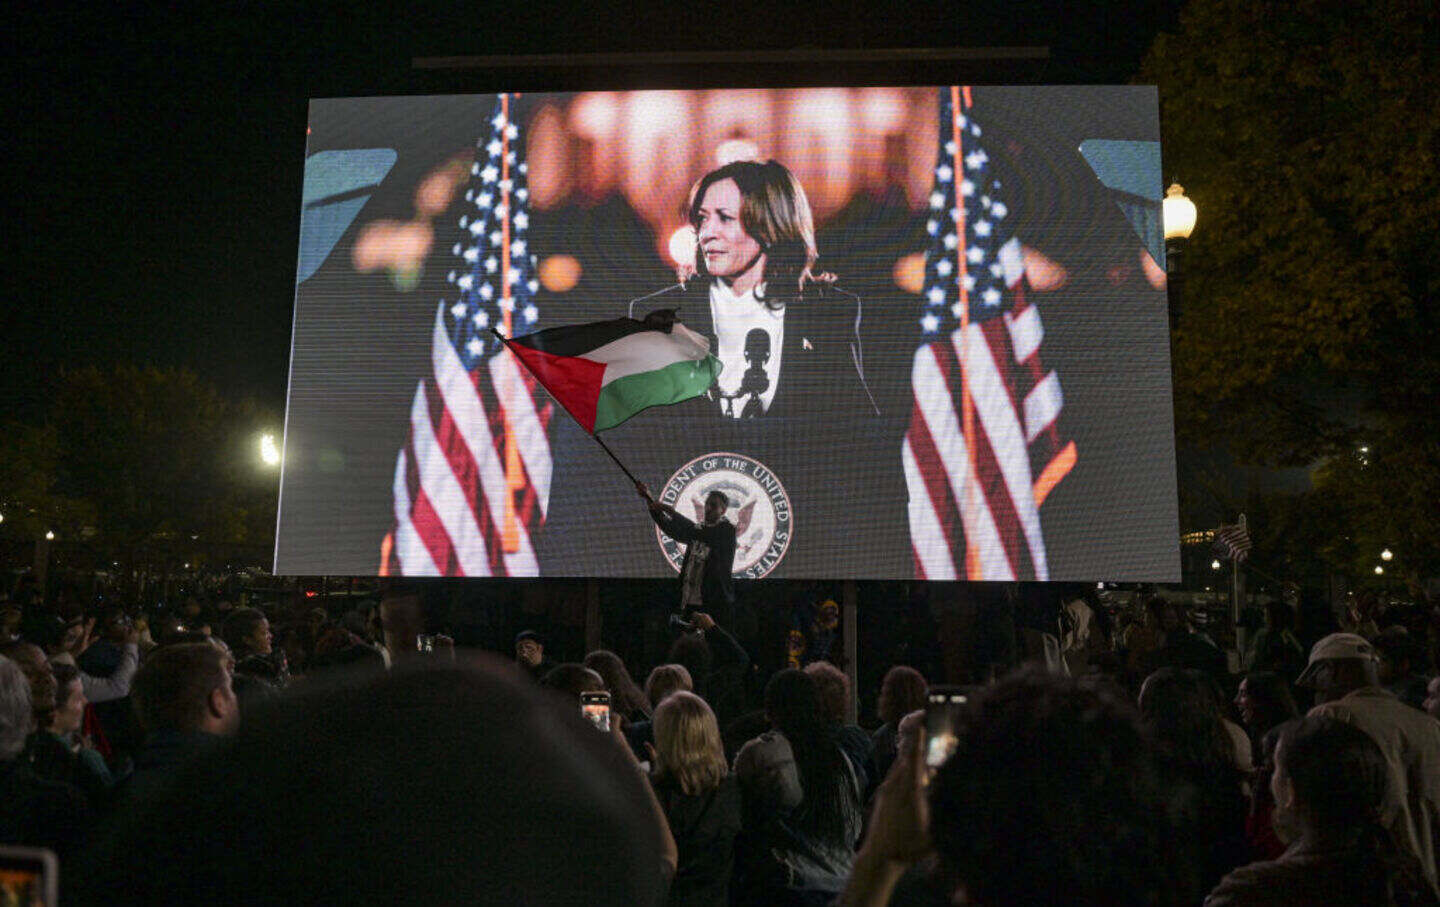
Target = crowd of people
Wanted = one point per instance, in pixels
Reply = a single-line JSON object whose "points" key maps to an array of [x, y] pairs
{"points": [[200, 752]]}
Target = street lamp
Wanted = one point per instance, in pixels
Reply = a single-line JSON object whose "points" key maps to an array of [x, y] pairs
{"points": [[269, 451], [1178, 213], [49, 535], [1387, 554], [1379, 570], [1177, 216], [1215, 565]]}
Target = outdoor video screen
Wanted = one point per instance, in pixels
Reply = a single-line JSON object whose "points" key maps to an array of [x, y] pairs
{"points": [[939, 316]]}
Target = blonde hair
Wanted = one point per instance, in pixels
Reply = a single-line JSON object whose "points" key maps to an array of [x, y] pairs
{"points": [[776, 214], [687, 743]]}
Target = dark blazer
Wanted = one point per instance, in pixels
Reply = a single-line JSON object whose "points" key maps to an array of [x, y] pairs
{"points": [[716, 583], [822, 343]]}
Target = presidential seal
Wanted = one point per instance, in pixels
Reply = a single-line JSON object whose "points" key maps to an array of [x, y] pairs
{"points": [[759, 508]]}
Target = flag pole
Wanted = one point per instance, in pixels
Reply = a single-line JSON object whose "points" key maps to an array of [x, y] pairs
{"points": [[603, 446], [606, 447]]}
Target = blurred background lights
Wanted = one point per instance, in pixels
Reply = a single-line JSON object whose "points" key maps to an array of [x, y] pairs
{"points": [[910, 273], [733, 150], [49, 536], [1386, 555], [560, 273], [1379, 570], [681, 246]]}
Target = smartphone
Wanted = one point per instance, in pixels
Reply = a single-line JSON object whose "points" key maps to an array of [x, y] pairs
{"points": [[596, 707], [28, 876], [425, 643], [942, 724]]}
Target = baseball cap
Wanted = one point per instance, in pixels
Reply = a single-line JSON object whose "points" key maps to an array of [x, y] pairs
{"points": [[1335, 646]]}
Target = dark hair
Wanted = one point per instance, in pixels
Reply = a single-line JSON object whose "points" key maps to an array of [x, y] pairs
{"points": [[238, 629], [1273, 702], [776, 214], [717, 493], [1072, 803], [832, 688], [1181, 715], [565, 810], [792, 700], [172, 688], [572, 679], [1340, 777], [626, 697], [693, 653], [902, 692]]}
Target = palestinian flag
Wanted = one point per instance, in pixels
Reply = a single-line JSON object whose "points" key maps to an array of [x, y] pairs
{"points": [[606, 372]]}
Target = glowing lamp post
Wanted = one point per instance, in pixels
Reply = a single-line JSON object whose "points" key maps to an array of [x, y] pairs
{"points": [[269, 451], [1178, 213], [1178, 216]]}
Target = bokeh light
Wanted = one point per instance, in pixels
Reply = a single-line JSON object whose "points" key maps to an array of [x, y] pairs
{"points": [[559, 273], [681, 247]]}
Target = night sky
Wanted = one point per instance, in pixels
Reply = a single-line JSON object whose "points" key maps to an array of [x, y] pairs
{"points": [[157, 158]]}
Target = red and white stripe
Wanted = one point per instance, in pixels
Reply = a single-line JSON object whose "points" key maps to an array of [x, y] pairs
{"points": [[996, 534], [450, 484]]}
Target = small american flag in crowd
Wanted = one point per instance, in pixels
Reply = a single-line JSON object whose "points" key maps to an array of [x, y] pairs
{"points": [[984, 447], [473, 481], [1233, 540]]}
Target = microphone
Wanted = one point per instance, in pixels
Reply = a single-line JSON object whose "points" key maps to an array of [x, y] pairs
{"points": [[755, 382]]}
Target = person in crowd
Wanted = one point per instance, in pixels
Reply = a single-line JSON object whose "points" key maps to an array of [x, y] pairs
{"points": [[1403, 667], [1432, 698], [663, 680], [40, 675], [802, 801], [57, 750], [1053, 796], [700, 797], [1179, 712], [404, 792], [717, 664], [1185, 648], [1344, 674], [573, 679], [1274, 646], [34, 811], [1143, 638], [1261, 836], [338, 647], [1240, 744], [247, 633], [833, 688], [625, 697], [901, 692], [105, 655], [1329, 787], [115, 685], [185, 701], [1264, 701], [530, 654], [1082, 636]]}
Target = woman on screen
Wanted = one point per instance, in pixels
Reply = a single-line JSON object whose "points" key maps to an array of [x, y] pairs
{"points": [[788, 337]]}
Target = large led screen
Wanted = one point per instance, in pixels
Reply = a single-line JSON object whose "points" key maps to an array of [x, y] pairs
{"points": [[940, 316]]}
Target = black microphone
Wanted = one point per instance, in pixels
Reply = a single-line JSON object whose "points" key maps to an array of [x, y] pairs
{"points": [[755, 382]]}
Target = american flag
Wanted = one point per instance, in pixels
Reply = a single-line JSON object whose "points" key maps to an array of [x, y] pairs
{"points": [[1234, 540], [984, 447], [473, 482]]}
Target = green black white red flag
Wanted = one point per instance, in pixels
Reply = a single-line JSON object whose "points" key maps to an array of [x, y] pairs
{"points": [[605, 372]]}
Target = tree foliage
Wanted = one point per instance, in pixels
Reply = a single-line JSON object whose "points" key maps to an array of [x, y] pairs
{"points": [[162, 459], [1305, 133]]}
